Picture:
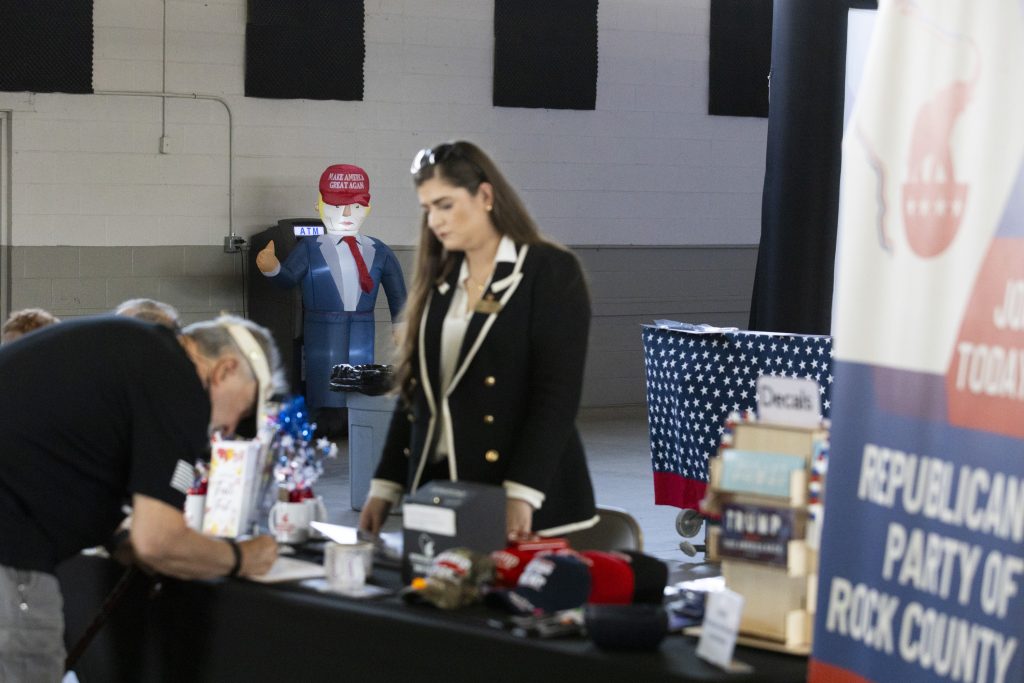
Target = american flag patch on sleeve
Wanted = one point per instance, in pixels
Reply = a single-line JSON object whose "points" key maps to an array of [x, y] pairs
{"points": [[181, 480]]}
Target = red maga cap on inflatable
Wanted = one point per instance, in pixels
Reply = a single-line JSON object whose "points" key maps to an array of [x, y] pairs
{"points": [[343, 184]]}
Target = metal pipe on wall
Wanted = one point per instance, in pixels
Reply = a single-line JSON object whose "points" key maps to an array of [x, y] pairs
{"points": [[196, 96]]}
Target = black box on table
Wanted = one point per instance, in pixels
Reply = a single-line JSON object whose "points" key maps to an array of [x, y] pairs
{"points": [[450, 514]]}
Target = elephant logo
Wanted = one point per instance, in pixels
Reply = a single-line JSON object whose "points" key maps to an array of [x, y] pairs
{"points": [[933, 199]]}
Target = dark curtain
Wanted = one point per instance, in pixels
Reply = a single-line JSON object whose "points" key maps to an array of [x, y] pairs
{"points": [[46, 46], [800, 205]]}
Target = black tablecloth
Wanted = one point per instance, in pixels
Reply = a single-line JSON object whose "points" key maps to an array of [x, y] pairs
{"points": [[235, 630]]}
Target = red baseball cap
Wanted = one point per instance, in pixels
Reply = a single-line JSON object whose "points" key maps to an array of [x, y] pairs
{"points": [[343, 184], [510, 562], [611, 578]]}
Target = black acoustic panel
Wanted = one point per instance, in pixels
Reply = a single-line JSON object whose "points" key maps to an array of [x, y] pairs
{"points": [[545, 53], [277, 13], [335, 13], [46, 46], [740, 57], [305, 49]]}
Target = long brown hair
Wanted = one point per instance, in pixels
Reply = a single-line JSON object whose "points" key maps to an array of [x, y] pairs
{"points": [[460, 164]]}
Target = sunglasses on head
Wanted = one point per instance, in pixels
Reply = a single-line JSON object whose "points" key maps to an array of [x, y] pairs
{"points": [[431, 156]]}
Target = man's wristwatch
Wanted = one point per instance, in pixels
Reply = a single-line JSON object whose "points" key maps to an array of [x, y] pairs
{"points": [[237, 566]]}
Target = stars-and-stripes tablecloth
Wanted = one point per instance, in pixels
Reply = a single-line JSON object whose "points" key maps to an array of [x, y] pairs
{"points": [[694, 380]]}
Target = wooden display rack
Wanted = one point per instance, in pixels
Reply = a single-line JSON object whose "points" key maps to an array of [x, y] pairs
{"points": [[767, 539]]}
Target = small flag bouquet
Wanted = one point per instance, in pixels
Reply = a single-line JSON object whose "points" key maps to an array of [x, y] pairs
{"points": [[297, 460]]}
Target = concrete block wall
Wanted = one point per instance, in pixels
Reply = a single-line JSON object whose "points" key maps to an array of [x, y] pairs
{"points": [[632, 286], [647, 170], [70, 281]]}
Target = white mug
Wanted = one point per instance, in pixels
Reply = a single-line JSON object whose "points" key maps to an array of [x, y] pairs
{"points": [[347, 565], [289, 522], [317, 513], [194, 504]]}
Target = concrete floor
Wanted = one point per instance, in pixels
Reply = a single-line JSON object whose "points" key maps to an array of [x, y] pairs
{"points": [[616, 443]]}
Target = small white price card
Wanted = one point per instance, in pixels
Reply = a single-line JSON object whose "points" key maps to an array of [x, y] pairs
{"points": [[721, 626]]}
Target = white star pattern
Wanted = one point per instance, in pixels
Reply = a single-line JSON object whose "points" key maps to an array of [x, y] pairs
{"points": [[685, 417]]}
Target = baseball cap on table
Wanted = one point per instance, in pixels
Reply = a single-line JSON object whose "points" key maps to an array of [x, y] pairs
{"points": [[343, 184], [510, 562], [549, 583], [650, 576], [455, 579], [611, 578]]}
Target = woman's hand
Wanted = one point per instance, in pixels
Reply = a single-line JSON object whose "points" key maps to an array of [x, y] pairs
{"points": [[518, 519], [398, 334], [375, 511]]}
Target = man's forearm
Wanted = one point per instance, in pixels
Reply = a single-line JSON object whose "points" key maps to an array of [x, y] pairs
{"points": [[187, 554]]}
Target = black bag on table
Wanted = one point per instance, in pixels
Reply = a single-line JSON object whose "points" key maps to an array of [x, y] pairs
{"points": [[369, 378]]}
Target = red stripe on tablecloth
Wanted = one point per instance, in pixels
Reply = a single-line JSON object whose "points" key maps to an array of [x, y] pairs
{"points": [[672, 489]]}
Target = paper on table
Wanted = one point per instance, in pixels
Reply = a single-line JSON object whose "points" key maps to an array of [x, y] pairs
{"points": [[337, 532], [389, 546], [290, 569], [365, 591]]}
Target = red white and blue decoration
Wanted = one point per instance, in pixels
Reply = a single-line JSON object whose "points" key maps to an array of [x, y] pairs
{"points": [[298, 460]]}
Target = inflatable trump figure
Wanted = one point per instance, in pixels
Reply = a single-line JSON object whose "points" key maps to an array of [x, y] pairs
{"points": [[340, 272]]}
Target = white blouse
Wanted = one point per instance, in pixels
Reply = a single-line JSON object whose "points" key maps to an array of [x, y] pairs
{"points": [[453, 333]]}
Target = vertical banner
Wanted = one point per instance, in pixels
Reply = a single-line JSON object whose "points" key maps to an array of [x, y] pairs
{"points": [[922, 558]]}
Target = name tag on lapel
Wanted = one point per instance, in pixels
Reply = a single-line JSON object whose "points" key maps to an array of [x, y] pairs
{"points": [[487, 305]]}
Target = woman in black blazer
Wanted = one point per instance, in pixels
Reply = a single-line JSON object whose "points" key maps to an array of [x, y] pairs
{"points": [[491, 367]]}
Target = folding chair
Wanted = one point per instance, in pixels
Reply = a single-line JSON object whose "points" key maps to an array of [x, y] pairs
{"points": [[615, 530]]}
